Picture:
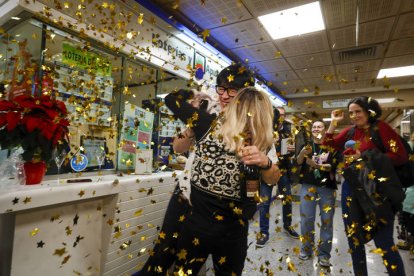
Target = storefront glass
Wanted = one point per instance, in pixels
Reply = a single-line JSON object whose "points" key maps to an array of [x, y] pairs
{"points": [[112, 100]]}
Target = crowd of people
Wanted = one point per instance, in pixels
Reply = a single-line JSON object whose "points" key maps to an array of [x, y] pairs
{"points": [[239, 153]]}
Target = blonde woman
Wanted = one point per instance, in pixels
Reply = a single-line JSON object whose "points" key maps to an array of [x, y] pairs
{"points": [[217, 224]]}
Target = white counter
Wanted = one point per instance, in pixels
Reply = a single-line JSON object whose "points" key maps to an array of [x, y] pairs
{"points": [[102, 227]]}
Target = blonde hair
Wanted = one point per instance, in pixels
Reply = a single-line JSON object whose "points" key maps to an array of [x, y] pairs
{"points": [[249, 112]]}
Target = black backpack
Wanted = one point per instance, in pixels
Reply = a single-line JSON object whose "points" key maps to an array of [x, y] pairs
{"points": [[405, 171]]}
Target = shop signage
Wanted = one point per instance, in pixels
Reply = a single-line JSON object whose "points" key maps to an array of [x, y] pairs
{"points": [[73, 56], [171, 49], [337, 103]]}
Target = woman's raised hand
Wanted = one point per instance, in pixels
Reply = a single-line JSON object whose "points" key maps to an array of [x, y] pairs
{"points": [[337, 115], [251, 155]]}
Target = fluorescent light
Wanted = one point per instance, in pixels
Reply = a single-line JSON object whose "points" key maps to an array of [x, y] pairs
{"points": [[295, 21], [327, 119], [405, 122], [162, 96], [15, 18], [385, 100], [396, 72]]}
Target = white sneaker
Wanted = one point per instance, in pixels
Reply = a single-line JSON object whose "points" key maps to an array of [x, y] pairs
{"points": [[304, 257], [324, 262]]}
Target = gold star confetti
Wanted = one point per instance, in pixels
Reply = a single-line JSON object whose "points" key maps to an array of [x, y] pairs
{"points": [[60, 251], [182, 254], [138, 212], [65, 259], [237, 211], [196, 241], [326, 208], [371, 175], [205, 34], [222, 260], [81, 193], [219, 217], [291, 266], [27, 200], [68, 231], [230, 78], [378, 251], [140, 18], [34, 232]]}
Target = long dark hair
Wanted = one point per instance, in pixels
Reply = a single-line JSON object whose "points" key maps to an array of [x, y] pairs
{"points": [[369, 105]]}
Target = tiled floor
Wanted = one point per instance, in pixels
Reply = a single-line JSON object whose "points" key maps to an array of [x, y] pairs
{"points": [[280, 255]]}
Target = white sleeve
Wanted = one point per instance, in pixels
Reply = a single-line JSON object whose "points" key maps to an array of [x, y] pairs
{"points": [[273, 155], [184, 179]]}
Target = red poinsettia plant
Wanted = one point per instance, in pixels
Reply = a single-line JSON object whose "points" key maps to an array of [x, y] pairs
{"points": [[37, 124]]}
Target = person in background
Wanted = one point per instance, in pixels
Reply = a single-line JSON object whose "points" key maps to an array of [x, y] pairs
{"points": [[283, 127], [406, 217], [217, 223], [364, 112], [229, 81], [318, 167]]}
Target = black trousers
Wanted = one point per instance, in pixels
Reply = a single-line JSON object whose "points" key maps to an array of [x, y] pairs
{"points": [[163, 255], [200, 236]]}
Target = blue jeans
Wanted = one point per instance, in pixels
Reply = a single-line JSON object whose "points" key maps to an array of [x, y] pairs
{"points": [[383, 239], [310, 196], [284, 190]]}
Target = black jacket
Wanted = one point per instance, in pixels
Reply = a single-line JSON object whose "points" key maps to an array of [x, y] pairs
{"points": [[377, 193]]}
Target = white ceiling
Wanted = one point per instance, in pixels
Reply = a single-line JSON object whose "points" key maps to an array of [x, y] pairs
{"points": [[311, 61]]}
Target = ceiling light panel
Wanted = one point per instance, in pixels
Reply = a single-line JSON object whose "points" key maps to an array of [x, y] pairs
{"points": [[396, 72], [398, 81], [260, 7], [295, 21]]}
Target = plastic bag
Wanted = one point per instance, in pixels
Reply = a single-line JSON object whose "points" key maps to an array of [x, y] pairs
{"points": [[12, 170]]}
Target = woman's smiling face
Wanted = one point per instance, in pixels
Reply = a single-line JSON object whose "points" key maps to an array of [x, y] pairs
{"points": [[318, 129], [358, 115]]}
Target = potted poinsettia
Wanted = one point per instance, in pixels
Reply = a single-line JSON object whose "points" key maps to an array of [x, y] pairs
{"points": [[38, 125]]}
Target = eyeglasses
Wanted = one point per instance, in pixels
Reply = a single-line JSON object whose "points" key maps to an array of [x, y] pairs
{"points": [[230, 91]]}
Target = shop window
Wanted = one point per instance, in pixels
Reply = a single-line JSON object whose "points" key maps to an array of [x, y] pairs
{"points": [[88, 81], [20, 52], [114, 103]]}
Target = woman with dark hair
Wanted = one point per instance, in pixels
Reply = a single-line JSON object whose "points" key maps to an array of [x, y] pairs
{"points": [[364, 113]]}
